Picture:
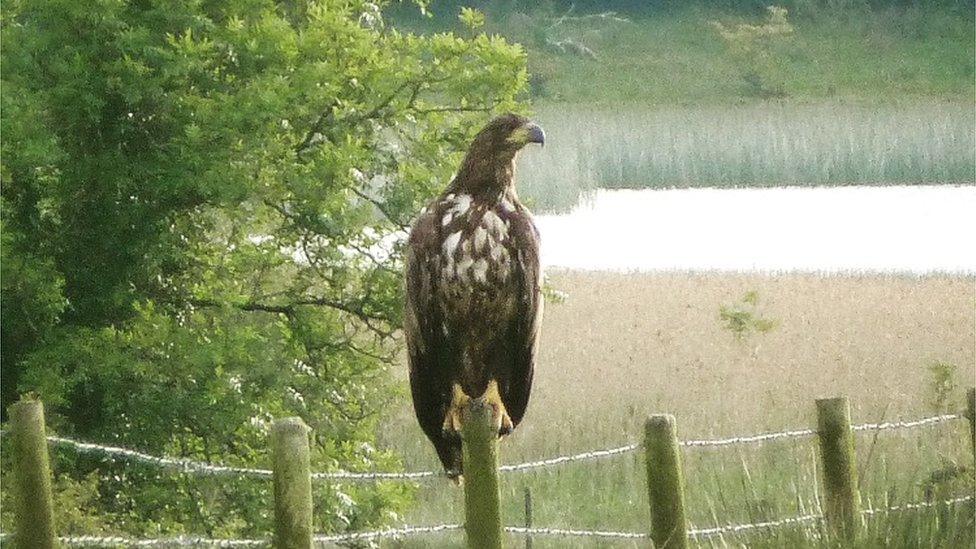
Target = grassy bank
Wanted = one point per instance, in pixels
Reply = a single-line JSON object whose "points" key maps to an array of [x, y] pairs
{"points": [[623, 346], [677, 57], [773, 143]]}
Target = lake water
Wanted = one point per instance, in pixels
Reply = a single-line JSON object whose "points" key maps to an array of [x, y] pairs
{"points": [[908, 229]]}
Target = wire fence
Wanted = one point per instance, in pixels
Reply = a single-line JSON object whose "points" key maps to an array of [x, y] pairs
{"points": [[924, 422], [394, 533], [209, 469], [764, 437], [202, 468]]}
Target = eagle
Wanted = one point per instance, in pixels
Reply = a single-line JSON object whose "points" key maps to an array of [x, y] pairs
{"points": [[473, 293]]}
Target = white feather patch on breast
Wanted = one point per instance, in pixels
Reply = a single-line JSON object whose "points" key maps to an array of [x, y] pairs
{"points": [[475, 258], [495, 226], [480, 238], [451, 243]]}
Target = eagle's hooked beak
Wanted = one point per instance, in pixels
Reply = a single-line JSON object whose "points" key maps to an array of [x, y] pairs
{"points": [[536, 135], [530, 132]]}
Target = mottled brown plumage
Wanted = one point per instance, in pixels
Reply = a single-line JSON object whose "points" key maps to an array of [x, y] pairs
{"points": [[474, 300]]}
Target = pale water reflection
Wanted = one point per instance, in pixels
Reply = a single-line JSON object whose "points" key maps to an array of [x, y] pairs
{"points": [[914, 229]]}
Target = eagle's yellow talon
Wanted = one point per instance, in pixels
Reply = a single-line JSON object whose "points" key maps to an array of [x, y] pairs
{"points": [[506, 424], [452, 420], [503, 423], [459, 400]]}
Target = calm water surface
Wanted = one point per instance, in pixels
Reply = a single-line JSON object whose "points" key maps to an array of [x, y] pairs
{"points": [[913, 229]]}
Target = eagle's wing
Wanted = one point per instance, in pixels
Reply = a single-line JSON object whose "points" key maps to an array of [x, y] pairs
{"points": [[524, 332], [428, 350]]}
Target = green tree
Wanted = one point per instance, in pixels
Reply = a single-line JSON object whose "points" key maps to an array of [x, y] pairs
{"points": [[200, 205]]}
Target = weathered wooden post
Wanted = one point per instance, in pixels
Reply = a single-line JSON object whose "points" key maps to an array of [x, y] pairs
{"points": [[292, 484], [32, 472], [482, 506], [971, 414], [665, 487], [842, 501], [528, 517]]}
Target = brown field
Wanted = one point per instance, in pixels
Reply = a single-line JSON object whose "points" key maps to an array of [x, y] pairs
{"points": [[622, 346]]}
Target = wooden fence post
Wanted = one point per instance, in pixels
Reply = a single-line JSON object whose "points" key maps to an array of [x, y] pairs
{"points": [[482, 507], [32, 472], [292, 484], [842, 502], [528, 517], [665, 487], [971, 414]]}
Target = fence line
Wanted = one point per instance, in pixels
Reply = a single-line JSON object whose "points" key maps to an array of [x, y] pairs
{"points": [[906, 424], [346, 475], [562, 532], [765, 437], [177, 541], [389, 533], [916, 506], [189, 541], [184, 465], [203, 468], [736, 528], [584, 456]]}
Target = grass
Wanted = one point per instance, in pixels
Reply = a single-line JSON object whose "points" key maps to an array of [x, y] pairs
{"points": [[675, 57], [678, 59], [763, 144], [623, 346]]}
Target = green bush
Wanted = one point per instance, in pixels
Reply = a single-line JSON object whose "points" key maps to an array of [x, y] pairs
{"points": [[743, 319], [196, 202]]}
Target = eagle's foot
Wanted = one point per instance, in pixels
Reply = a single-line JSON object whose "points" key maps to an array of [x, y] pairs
{"points": [[452, 420], [503, 423], [456, 478]]}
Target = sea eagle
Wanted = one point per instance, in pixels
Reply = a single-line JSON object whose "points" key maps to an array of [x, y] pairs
{"points": [[473, 293]]}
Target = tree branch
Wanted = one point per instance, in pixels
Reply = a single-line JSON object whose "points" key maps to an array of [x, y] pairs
{"points": [[288, 309], [454, 109], [382, 208]]}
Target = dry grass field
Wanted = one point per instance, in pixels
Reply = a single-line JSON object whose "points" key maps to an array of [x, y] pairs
{"points": [[622, 346]]}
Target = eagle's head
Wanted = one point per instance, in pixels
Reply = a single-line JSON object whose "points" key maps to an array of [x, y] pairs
{"points": [[492, 152], [507, 134]]}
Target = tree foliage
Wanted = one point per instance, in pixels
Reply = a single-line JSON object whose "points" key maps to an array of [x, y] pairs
{"points": [[200, 206]]}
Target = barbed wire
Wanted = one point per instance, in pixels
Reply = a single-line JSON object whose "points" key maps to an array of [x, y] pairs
{"points": [[346, 475], [906, 424], [916, 506], [189, 541], [574, 533], [765, 437], [203, 468], [729, 528], [195, 541], [594, 454], [177, 541], [389, 533], [736, 528], [184, 465]]}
